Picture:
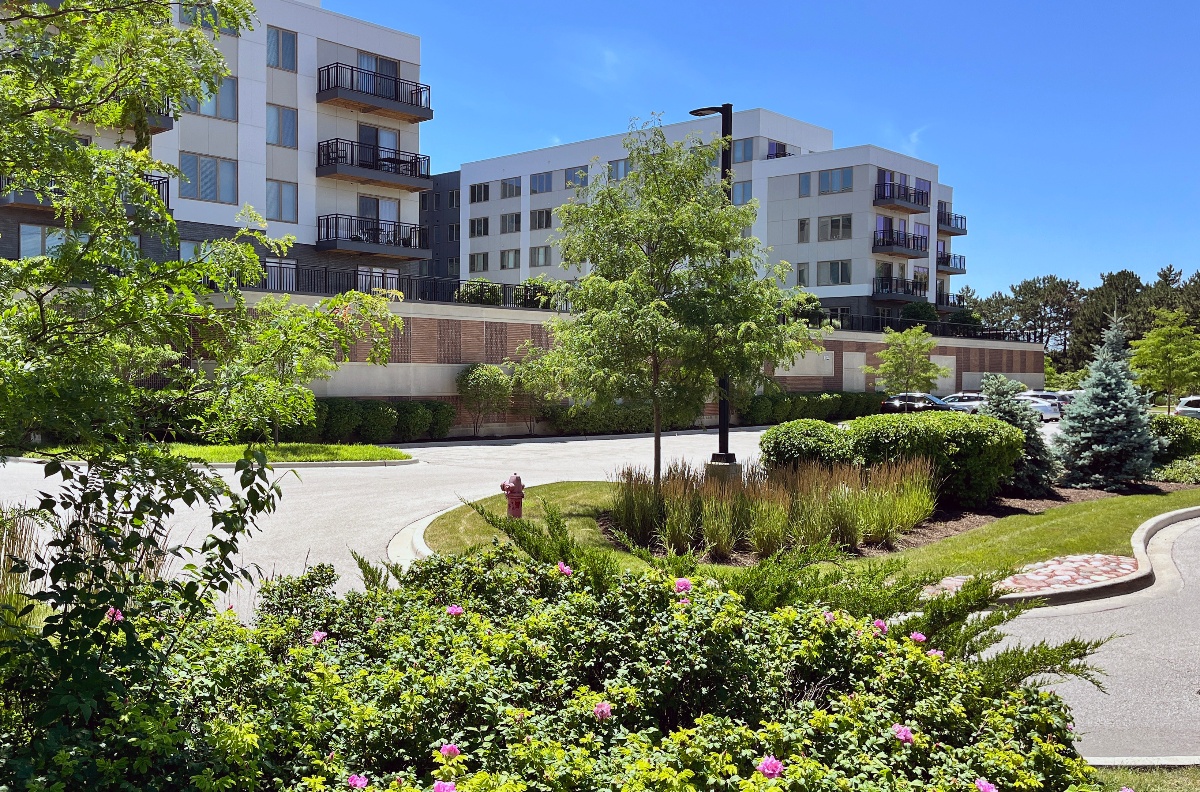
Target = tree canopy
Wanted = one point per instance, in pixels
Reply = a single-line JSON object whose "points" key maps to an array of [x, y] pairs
{"points": [[905, 365]]}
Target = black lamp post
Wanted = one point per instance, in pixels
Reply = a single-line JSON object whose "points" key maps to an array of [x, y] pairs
{"points": [[726, 111]]}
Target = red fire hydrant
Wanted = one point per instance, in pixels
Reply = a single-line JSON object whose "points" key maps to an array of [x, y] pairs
{"points": [[515, 491]]}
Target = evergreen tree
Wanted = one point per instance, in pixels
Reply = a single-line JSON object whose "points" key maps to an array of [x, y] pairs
{"points": [[1037, 467], [1105, 440]]}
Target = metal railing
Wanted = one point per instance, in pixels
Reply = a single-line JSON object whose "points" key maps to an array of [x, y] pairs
{"points": [[954, 261], [955, 221], [161, 185], [364, 155], [384, 86], [778, 154], [892, 191], [912, 288], [351, 228], [877, 324], [901, 239], [947, 300]]}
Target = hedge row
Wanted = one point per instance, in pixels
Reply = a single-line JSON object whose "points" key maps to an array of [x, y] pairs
{"points": [[774, 408], [1181, 436], [375, 421], [592, 419], [974, 454]]}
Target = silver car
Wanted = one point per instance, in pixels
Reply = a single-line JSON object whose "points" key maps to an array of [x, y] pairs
{"points": [[966, 402], [1049, 410], [1189, 407]]}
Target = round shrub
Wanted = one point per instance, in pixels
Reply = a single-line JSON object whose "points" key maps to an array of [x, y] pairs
{"points": [[341, 420], [412, 420], [378, 422], [973, 453], [921, 311], [1182, 436], [804, 440], [442, 418], [309, 432], [758, 411]]}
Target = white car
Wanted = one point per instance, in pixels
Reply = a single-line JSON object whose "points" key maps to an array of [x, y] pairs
{"points": [[966, 402], [1049, 409], [1189, 407]]}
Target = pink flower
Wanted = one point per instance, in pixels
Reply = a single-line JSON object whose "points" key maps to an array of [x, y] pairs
{"points": [[443, 786], [682, 584], [917, 637], [770, 767], [1125, 789], [685, 601], [379, 620], [357, 781], [114, 615], [317, 637], [454, 610], [881, 625], [905, 735], [566, 570], [602, 711], [450, 750], [983, 785], [830, 617], [935, 653]]}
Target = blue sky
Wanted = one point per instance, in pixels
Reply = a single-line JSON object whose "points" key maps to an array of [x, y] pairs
{"points": [[1069, 130]]}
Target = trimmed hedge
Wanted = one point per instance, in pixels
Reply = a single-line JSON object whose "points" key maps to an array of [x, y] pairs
{"points": [[805, 440], [378, 423], [1182, 436], [342, 420], [769, 408], [413, 419], [442, 417], [592, 419]]}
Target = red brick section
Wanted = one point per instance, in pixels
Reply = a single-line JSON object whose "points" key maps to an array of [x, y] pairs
{"points": [[1057, 574]]}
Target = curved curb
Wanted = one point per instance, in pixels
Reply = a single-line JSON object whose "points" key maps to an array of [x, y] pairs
{"points": [[276, 465], [1135, 581], [408, 544]]}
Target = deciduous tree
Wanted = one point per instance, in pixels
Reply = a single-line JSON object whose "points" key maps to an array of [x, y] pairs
{"points": [[483, 388], [1167, 359], [905, 365]]}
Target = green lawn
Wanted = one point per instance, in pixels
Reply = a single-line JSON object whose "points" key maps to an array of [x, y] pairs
{"points": [[291, 452], [1175, 779]]}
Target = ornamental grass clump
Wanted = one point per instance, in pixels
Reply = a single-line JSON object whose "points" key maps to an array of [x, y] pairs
{"points": [[719, 515]]}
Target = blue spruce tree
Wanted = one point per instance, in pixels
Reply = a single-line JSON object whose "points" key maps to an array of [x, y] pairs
{"points": [[1037, 467], [1105, 441]]}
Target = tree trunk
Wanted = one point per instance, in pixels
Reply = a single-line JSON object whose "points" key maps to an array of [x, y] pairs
{"points": [[657, 417]]}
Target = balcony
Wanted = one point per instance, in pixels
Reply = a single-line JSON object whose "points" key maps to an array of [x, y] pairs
{"points": [[952, 224], [366, 164], [899, 290], [902, 197], [367, 235], [952, 263], [160, 122], [21, 199], [949, 302], [898, 243], [371, 92]]}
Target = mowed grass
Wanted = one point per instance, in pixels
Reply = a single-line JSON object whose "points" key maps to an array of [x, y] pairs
{"points": [[291, 452], [1172, 779]]}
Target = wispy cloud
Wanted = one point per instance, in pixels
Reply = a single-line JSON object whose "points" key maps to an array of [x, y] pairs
{"points": [[555, 140], [905, 142]]}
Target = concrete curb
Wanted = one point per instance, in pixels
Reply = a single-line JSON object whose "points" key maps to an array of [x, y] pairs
{"points": [[503, 441], [276, 465], [1136, 581], [1143, 761], [408, 544]]}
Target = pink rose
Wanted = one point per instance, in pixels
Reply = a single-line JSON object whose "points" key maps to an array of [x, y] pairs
{"points": [[450, 750], [114, 615], [454, 610], [881, 625], [905, 735], [317, 637], [935, 653], [770, 767], [682, 584], [566, 570], [357, 781], [917, 637], [443, 786], [983, 785], [830, 617], [602, 711]]}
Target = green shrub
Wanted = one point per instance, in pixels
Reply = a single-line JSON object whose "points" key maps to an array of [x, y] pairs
{"points": [[413, 419], [342, 419], [973, 454], [781, 407], [805, 440], [378, 421], [1184, 470], [921, 311], [310, 432], [760, 410], [1181, 436], [442, 416]]}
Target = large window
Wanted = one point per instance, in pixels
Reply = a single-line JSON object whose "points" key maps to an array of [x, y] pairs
{"points": [[37, 240], [833, 227], [479, 227], [539, 256], [541, 183], [281, 126], [575, 177], [478, 262], [208, 178], [510, 259], [833, 273], [453, 200], [222, 103], [618, 169], [191, 250], [802, 229], [480, 192], [281, 49], [281, 201], [743, 150], [453, 267], [510, 188], [775, 149], [805, 185], [510, 223], [540, 219], [802, 275], [453, 232], [837, 180], [742, 192], [203, 14]]}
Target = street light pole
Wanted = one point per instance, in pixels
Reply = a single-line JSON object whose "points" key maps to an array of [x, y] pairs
{"points": [[723, 454]]}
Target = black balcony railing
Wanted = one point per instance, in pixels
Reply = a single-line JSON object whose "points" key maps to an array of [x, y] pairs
{"points": [[369, 230], [326, 280], [352, 78], [161, 185], [954, 261], [365, 155], [913, 288], [901, 239], [951, 220], [778, 154], [950, 300], [892, 191], [877, 324]]}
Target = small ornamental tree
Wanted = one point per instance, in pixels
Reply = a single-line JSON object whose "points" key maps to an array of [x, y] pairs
{"points": [[1167, 359], [904, 363], [1037, 466], [1105, 440], [483, 388], [921, 310]]}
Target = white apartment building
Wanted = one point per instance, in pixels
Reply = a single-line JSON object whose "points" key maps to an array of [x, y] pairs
{"points": [[866, 229]]}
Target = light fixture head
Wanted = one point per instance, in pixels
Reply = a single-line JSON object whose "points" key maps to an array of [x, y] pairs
{"points": [[705, 111]]}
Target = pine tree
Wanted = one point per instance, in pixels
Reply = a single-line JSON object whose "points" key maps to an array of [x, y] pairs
{"points": [[1037, 467], [1105, 440]]}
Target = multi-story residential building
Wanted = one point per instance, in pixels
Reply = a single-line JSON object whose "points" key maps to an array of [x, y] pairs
{"points": [[866, 229], [440, 213]]}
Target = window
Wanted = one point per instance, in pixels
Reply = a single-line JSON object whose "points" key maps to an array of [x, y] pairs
{"points": [[477, 262], [281, 201], [510, 188], [575, 177], [618, 169], [437, 201], [39, 240], [539, 256], [742, 193], [453, 232], [479, 227], [208, 178], [839, 313], [479, 192], [281, 126], [802, 275], [220, 104], [510, 223], [883, 313], [281, 49], [805, 185], [453, 200], [921, 230], [540, 183], [203, 15], [424, 199], [190, 250], [921, 275], [539, 219], [837, 180], [923, 185], [802, 229], [833, 227], [428, 267], [437, 234], [453, 267], [833, 273], [510, 259], [775, 149], [743, 150]]}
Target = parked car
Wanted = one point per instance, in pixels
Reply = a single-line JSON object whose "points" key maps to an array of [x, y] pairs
{"points": [[913, 402], [966, 402], [1061, 398], [1049, 410], [1189, 407]]}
